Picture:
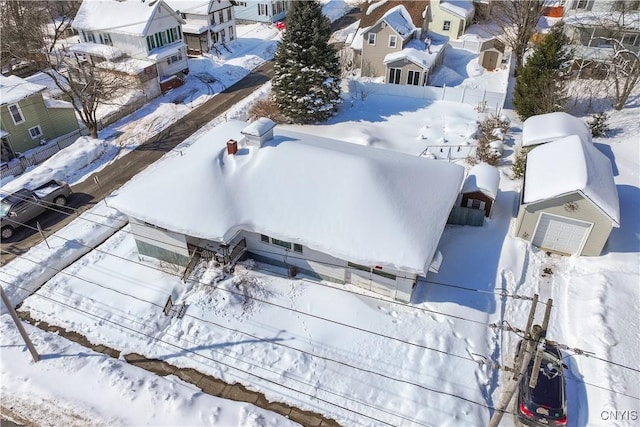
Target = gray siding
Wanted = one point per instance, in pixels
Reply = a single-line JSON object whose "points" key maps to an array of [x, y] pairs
{"points": [[528, 216], [405, 66]]}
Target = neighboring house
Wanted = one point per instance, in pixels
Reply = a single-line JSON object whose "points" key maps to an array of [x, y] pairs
{"points": [[29, 120], [449, 17], [480, 188], [599, 29], [209, 25], [135, 38], [325, 208], [549, 127], [491, 54], [261, 11], [569, 201], [389, 44]]}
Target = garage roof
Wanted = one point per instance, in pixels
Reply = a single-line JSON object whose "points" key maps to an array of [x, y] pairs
{"points": [[553, 126], [569, 165]]}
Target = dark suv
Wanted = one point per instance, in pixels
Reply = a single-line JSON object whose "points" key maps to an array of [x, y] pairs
{"points": [[546, 404]]}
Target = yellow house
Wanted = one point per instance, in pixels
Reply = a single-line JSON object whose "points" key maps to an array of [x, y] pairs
{"points": [[450, 17]]}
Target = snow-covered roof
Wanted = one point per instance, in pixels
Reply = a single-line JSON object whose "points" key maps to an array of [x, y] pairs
{"points": [[164, 51], [57, 103], [358, 39], [461, 8], [569, 165], [13, 89], [97, 49], [484, 178], [363, 204], [399, 19], [551, 126], [416, 52], [131, 66], [196, 7], [121, 16], [197, 28]]}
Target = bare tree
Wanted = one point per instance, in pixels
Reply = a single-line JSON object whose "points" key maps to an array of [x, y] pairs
{"points": [[514, 22], [608, 49], [33, 31]]}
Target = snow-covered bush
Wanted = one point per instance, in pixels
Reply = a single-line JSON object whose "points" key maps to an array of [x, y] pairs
{"points": [[599, 124], [520, 163], [493, 127]]}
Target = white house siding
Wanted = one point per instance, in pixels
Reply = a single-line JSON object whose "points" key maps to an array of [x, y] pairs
{"points": [[322, 266], [159, 243], [134, 46], [572, 206]]}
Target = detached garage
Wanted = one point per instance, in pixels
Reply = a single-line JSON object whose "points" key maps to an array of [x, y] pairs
{"points": [[569, 201]]}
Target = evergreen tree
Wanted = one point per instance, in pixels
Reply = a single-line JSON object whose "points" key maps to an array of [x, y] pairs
{"points": [[540, 85], [306, 86]]}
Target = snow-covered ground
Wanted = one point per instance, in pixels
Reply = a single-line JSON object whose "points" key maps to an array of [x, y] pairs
{"points": [[339, 350]]}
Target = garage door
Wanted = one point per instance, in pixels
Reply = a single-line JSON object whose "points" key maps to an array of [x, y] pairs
{"points": [[561, 234]]}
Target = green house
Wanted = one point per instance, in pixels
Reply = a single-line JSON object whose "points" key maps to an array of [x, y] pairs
{"points": [[28, 119]]}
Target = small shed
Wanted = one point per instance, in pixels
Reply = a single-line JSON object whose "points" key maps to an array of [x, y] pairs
{"points": [[491, 54], [481, 188], [569, 200]]}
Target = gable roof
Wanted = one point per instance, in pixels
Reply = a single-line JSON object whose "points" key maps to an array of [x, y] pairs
{"points": [[415, 10], [569, 165], [120, 16], [363, 204], [483, 178], [552, 126], [416, 52], [463, 9], [14, 89]]}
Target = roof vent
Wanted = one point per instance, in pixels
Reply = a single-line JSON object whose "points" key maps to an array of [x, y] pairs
{"points": [[258, 132]]}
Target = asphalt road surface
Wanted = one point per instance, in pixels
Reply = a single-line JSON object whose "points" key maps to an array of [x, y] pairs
{"points": [[86, 194]]}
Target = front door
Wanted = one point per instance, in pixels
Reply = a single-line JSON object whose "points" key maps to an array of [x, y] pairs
{"points": [[6, 152]]}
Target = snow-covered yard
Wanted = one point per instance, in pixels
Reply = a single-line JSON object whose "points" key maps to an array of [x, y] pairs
{"points": [[352, 355]]}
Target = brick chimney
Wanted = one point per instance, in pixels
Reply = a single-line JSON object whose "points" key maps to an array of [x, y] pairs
{"points": [[232, 147]]}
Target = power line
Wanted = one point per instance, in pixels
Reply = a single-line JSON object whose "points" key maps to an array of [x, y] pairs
{"points": [[234, 367]]}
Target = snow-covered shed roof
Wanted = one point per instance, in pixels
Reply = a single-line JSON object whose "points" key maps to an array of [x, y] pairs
{"points": [[121, 16], [484, 178], [14, 89], [463, 9], [363, 204], [569, 165], [415, 51], [552, 126]]}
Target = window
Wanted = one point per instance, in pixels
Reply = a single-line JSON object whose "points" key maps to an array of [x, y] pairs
{"points": [[105, 39], [358, 266], [413, 78], [174, 58], [383, 274], [262, 9], [297, 247], [16, 113], [229, 14], [264, 239], [35, 132], [241, 3], [230, 33], [394, 75], [281, 243], [393, 40], [446, 26], [581, 4], [222, 36], [630, 39], [220, 17], [89, 37], [151, 43], [371, 38], [475, 204]]}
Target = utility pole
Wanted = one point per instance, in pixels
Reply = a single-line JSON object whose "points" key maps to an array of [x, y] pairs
{"points": [[533, 381], [532, 335], [18, 323]]}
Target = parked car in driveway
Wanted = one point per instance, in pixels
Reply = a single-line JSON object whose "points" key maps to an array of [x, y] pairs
{"points": [[546, 404], [18, 208]]}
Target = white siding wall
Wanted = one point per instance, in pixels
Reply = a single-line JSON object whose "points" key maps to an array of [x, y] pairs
{"points": [[134, 46], [164, 239]]}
